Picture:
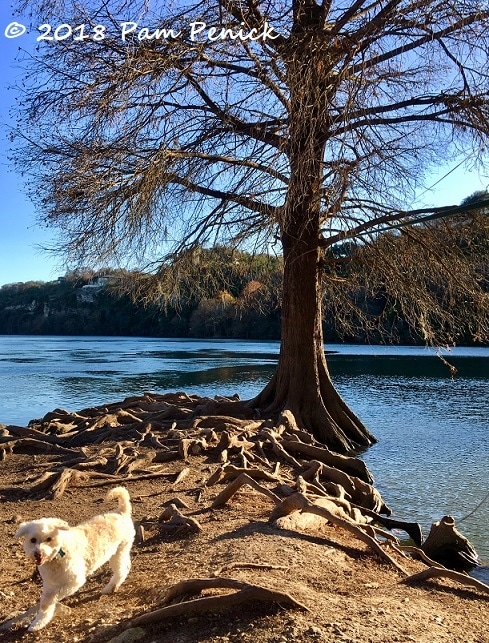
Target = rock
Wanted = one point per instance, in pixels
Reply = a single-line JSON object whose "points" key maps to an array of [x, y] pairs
{"points": [[314, 632]]}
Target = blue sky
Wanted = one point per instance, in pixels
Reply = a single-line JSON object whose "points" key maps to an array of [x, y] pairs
{"points": [[20, 259], [20, 233]]}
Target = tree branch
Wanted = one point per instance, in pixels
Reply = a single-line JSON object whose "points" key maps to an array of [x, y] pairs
{"points": [[404, 217]]}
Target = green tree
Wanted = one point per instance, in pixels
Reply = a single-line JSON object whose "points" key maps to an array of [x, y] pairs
{"points": [[303, 123]]}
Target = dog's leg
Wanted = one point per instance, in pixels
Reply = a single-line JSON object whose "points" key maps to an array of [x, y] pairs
{"points": [[24, 618], [47, 607], [120, 564]]}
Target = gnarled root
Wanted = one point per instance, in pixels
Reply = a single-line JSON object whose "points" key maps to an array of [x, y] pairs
{"points": [[236, 484], [245, 593], [447, 545], [442, 572], [299, 502], [173, 521]]}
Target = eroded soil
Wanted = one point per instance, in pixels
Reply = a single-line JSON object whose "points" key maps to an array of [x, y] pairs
{"points": [[351, 595]]}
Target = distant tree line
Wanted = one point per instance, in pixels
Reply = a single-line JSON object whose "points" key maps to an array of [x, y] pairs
{"points": [[225, 293]]}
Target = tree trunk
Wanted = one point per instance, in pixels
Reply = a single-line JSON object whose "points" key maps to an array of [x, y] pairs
{"points": [[448, 546], [302, 383]]}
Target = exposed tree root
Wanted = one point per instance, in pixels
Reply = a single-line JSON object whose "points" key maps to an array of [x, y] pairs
{"points": [[33, 445], [259, 566], [413, 529], [230, 472], [173, 521], [62, 480], [240, 481], [447, 545], [133, 439], [350, 465], [416, 552], [299, 502], [181, 476], [245, 593], [316, 404], [443, 572]]}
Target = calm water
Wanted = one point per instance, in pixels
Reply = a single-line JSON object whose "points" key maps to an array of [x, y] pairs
{"points": [[433, 452]]}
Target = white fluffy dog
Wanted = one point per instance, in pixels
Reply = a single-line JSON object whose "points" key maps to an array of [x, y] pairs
{"points": [[66, 555]]}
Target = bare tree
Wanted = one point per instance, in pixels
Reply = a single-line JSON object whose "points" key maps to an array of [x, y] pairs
{"points": [[298, 123]]}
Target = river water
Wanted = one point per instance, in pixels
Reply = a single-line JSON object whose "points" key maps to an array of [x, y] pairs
{"points": [[432, 457]]}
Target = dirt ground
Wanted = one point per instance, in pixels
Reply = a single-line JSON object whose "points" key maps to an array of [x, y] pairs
{"points": [[351, 595]]}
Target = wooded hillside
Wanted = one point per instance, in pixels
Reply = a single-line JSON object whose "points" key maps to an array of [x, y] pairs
{"points": [[223, 294]]}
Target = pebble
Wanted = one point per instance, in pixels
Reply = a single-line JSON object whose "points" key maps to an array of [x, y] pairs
{"points": [[315, 632]]}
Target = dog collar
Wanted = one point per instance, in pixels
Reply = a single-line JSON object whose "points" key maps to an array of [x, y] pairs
{"points": [[60, 553]]}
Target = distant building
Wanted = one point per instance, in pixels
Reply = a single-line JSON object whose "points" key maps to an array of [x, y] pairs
{"points": [[89, 292]]}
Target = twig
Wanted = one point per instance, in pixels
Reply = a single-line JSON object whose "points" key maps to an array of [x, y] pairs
{"points": [[259, 566]]}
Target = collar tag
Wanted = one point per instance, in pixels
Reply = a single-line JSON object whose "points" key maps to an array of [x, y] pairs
{"points": [[61, 553]]}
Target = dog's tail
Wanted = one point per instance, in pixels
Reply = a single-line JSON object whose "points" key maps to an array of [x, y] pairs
{"points": [[124, 502]]}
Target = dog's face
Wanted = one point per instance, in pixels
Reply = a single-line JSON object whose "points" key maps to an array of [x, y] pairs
{"points": [[42, 538]]}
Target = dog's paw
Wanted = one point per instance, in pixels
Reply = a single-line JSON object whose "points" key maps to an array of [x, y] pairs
{"points": [[39, 622], [35, 627]]}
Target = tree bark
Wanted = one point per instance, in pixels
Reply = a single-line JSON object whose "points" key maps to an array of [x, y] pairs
{"points": [[302, 383]]}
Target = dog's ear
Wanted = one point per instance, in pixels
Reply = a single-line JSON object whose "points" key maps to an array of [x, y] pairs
{"points": [[57, 523], [22, 530]]}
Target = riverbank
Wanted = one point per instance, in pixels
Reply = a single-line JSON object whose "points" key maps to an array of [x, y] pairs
{"points": [[350, 594], [427, 423], [236, 296]]}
